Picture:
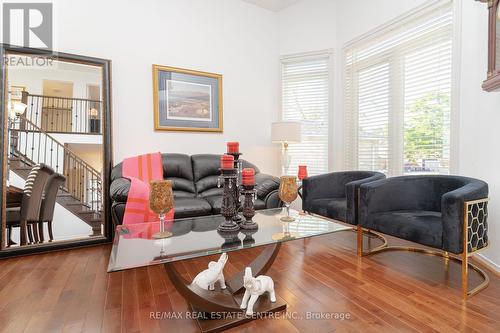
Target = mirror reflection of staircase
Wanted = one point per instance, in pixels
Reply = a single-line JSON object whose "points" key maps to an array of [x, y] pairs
{"points": [[81, 194]]}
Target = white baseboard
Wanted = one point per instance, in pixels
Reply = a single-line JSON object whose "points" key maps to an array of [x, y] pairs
{"points": [[489, 263]]}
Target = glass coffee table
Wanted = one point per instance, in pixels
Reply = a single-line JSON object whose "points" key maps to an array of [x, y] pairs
{"points": [[134, 246]]}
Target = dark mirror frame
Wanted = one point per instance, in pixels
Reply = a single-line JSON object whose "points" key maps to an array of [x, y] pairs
{"points": [[105, 64], [492, 82]]}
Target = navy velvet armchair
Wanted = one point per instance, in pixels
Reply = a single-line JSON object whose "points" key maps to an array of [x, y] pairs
{"points": [[448, 213]]}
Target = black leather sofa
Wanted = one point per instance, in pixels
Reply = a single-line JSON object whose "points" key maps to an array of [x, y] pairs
{"points": [[335, 194], [194, 186]]}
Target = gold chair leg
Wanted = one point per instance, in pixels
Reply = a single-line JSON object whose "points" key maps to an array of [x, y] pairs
{"points": [[465, 274], [360, 241]]}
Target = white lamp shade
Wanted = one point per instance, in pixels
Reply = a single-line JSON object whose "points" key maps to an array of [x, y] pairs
{"points": [[285, 131], [17, 108]]}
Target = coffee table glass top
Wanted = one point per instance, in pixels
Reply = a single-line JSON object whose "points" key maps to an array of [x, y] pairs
{"points": [[134, 245]]}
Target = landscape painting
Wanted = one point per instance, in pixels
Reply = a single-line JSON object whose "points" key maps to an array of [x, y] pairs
{"points": [[187, 100]]}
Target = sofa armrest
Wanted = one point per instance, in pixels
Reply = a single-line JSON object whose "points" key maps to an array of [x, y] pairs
{"points": [[452, 212], [265, 184], [272, 200], [352, 189], [118, 190]]}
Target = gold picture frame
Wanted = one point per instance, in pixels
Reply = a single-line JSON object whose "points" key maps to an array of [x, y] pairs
{"points": [[208, 88]]}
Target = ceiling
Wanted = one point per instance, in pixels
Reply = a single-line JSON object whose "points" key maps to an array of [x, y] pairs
{"points": [[274, 5]]}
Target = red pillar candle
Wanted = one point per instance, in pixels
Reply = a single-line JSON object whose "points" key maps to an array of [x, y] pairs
{"points": [[227, 162], [233, 147], [248, 176], [302, 172]]}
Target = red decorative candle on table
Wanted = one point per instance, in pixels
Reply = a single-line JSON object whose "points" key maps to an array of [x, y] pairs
{"points": [[302, 172], [227, 162], [248, 176], [233, 147]]}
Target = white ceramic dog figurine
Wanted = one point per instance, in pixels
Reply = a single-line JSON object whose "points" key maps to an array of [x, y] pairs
{"points": [[207, 278], [254, 287]]}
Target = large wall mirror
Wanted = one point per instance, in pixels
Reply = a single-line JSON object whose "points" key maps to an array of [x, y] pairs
{"points": [[492, 82], [56, 150]]}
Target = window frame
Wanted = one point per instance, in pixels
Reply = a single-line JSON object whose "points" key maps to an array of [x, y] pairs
{"points": [[304, 56], [397, 114]]}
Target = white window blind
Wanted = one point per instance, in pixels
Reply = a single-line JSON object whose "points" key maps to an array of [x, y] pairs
{"points": [[305, 98], [398, 93]]}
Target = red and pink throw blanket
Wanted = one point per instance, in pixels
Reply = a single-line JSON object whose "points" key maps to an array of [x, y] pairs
{"points": [[141, 170]]}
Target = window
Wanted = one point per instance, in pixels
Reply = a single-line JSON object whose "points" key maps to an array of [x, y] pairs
{"points": [[398, 93], [305, 98]]}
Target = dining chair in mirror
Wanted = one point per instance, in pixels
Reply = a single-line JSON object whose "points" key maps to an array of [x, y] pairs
{"points": [[54, 183], [28, 213], [58, 114]]}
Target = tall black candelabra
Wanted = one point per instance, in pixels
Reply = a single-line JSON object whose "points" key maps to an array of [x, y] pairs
{"points": [[229, 179]]}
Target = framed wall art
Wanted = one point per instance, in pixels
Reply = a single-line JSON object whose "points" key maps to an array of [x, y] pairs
{"points": [[187, 100]]}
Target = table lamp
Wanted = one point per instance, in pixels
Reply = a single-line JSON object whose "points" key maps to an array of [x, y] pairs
{"points": [[16, 109], [285, 132]]}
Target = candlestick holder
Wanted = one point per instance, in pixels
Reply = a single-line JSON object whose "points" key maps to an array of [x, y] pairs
{"points": [[248, 241], [231, 239], [238, 165], [248, 207], [229, 199]]}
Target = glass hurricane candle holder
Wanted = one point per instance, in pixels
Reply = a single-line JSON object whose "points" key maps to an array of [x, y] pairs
{"points": [[161, 201], [288, 192]]}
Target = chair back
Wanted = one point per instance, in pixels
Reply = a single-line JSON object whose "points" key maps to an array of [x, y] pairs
{"points": [[52, 186], [33, 192]]}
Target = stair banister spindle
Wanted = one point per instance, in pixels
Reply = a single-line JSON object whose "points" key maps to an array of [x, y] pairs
{"points": [[39, 138], [37, 109], [82, 183], [87, 121]]}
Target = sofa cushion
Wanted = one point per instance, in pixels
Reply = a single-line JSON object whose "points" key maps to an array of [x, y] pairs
{"points": [[178, 169], [216, 191], [419, 226], [335, 208], [190, 207], [216, 202]]}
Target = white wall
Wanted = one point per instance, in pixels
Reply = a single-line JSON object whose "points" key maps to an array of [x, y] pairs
{"points": [[332, 24], [307, 26], [233, 38]]}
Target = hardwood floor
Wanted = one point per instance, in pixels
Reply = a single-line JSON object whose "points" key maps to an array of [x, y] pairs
{"points": [[70, 291]]}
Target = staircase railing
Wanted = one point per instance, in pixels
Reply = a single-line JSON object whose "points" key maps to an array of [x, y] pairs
{"points": [[32, 145], [64, 115]]}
